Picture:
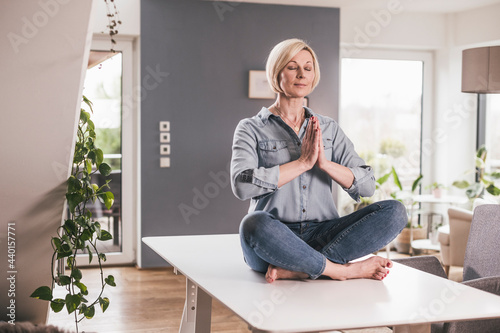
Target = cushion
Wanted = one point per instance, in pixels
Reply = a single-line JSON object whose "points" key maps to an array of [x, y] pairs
{"points": [[444, 234]]}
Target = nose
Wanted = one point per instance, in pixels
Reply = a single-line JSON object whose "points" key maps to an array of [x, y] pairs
{"points": [[300, 73]]}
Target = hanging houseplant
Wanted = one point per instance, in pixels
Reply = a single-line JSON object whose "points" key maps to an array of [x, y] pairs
{"points": [[80, 232]]}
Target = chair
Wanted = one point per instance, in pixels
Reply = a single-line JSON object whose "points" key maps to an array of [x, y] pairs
{"points": [[481, 266], [453, 237]]}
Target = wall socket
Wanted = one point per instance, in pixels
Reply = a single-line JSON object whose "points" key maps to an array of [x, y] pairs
{"points": [[165, 137], [164, 149], [164, 126]]}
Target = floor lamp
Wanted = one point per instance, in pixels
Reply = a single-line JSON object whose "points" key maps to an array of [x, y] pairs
{"points": [[481, 75]]}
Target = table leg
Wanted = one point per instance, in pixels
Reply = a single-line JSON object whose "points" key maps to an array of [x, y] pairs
{"points": [[419, 328], [197, 310]]}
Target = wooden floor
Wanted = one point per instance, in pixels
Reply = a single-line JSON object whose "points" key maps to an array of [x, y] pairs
{"points": [[148, 301]]}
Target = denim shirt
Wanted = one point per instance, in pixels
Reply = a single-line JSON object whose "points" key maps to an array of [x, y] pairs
{"points": [[264, 142]]}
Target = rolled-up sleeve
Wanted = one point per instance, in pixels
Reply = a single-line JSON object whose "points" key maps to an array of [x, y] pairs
{"points": [[248, 180], [344, 154]]}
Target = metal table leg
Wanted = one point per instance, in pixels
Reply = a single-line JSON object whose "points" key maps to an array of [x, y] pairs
{"points": [[197, 314]]}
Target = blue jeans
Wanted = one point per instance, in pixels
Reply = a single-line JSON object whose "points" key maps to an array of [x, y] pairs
{"points": [[305, 246]]}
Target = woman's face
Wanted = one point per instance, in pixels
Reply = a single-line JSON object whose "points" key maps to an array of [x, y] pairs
{"points": [[297, 76]]}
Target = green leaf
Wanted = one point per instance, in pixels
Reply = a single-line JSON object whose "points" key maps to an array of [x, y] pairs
{"points": [[105, 169], [104, 303], [43, 293], [416, 183], [99, 157], [91, 128], [74, 184], [110, 280], [84, 116], [72, 302], [57, 305], [88, 102], [86, 235], [64, 252], [109, 200], [91, 256], [76, 274], [494, 175], [70, 227], [462, 184], [74, 199], [70, 262], [64, 280], [102, 256], [493, 190], [56, 242], [396, 179], [384, 178], [105, 236], [88, 166], [82, 287], [89, 312]]}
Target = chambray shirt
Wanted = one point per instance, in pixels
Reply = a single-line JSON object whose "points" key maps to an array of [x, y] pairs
{"points": [[264, 142]]}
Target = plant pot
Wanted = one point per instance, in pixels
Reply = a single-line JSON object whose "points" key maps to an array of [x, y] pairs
{"points": [[437, 192], [402, 241]]}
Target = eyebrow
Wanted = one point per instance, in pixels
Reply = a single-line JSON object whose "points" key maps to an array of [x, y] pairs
{"points": [[308, 62]]}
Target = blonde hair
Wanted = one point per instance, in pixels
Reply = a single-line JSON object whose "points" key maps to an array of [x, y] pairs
{"points": [[281, 55]]}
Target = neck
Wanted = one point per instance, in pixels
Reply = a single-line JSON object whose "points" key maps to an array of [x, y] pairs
{"points": [[293, 108]]}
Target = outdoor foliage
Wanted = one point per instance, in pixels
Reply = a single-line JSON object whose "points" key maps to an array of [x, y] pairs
{"points": [[484, 180], [80, 232]]}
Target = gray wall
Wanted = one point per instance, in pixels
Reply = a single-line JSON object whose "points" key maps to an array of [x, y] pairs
{"points": [[207, 50]]}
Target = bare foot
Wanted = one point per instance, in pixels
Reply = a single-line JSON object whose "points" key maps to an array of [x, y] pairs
{"points": [[277, 273], [374, 267]]}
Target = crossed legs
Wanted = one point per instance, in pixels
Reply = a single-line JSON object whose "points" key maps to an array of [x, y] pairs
{"points": [[311, 249]]}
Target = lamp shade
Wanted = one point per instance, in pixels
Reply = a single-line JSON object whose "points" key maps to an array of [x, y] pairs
{"points": [[481, 70]]}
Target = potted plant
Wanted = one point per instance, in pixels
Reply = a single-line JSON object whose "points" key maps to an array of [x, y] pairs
{"points": [[484, 181], [436, 189], [412, 230], [80, 232]]}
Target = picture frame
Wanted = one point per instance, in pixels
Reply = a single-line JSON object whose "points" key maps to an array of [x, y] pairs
{"points": [[258, 86]]}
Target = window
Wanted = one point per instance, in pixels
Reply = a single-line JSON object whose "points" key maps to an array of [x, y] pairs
{"points": [[108, 85], [492, 135], [381, 111]]}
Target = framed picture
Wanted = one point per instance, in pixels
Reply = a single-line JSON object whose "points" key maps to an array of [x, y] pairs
{"points": [[258, 87]]}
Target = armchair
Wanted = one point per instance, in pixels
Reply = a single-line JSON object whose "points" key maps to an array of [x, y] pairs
{"points": [[453, 237], [481, 266]]}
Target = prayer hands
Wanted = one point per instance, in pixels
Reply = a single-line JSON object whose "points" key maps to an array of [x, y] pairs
{"points": [[312, 152]]}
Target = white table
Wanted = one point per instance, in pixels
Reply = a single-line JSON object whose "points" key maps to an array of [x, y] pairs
{"points": [[214, 267]]}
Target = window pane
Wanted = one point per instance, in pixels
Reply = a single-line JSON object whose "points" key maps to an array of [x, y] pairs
{"points": [[381, 112], [103, 87], [492, 132]]}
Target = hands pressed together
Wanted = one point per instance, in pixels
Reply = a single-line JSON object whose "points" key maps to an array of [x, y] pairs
{"points": [[312, 152]]}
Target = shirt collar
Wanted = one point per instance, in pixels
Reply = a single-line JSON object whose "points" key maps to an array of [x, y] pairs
{"points": [[264, 114]]}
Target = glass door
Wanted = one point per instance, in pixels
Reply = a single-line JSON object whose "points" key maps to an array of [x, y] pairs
{"points": [[107, 85]]}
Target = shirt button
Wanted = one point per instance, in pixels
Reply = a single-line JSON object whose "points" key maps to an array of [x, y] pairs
{"points": [[303, 210], [304, 187]]}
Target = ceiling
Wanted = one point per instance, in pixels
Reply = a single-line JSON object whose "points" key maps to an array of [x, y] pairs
{"points": [[432, 6]]}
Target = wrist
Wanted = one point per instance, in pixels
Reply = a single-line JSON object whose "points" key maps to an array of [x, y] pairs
{"points": [[304, 165]]}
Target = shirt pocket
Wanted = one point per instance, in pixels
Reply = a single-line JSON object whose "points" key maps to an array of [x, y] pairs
{"points": [[328, 147], [273, 152]]}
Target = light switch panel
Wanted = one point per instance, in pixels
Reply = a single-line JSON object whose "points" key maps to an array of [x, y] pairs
{"points": [[164, 126], [164, 149], [164, 137], [164, 162]]}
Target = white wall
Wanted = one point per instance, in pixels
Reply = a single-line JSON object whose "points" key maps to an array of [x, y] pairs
{"points": [[453, 115], [44, 58], [129, 14]]}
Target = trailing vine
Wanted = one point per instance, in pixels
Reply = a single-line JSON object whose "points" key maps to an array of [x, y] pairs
{"points": [[113, 21], [80, 231]]}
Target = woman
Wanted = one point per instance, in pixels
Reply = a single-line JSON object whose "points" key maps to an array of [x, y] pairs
{"points": [[285, 159]]}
